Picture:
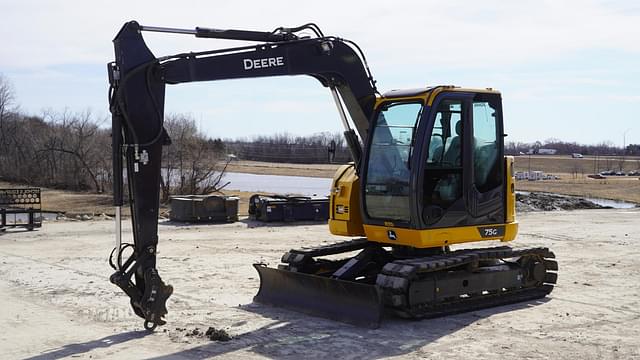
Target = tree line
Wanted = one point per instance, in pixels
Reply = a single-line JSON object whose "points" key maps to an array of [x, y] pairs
{"points": [[72, 150], [320, 148], [605, 148], [68, 150]]}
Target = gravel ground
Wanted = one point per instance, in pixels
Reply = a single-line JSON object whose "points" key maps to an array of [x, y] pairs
{"points": [[56, 300]]}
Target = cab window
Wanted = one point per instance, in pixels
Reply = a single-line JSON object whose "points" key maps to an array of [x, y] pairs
{"points": [[388, 170], [443, 175], [486, 167]]}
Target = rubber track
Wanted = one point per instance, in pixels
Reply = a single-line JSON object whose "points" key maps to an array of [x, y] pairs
{"points": [[296, 256], [396, 278]]}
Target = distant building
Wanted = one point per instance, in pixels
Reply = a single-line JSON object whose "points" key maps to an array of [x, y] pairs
{"points": [[547, 151], [542, 151], [522, 175], [533, 175]]}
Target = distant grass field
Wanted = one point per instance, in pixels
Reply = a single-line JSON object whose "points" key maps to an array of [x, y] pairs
{"points": [[616, 189], [74, 202], [574, 180], [565, 164]]}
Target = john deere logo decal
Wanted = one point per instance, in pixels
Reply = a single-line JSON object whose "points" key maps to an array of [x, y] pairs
{"points": [[250, 64], [392, 235]]}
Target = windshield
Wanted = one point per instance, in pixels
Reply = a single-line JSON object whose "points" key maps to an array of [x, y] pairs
{"points": [[387, 184]]}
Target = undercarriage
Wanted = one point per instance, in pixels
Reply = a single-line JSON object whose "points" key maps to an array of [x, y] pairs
{"points": [[410, 283]]}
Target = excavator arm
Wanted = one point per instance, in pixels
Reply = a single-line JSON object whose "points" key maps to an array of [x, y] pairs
{"points": [[138, 80]]}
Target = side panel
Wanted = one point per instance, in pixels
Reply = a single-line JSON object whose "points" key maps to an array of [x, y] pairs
{"points": [[344, 207], [510, 189]]}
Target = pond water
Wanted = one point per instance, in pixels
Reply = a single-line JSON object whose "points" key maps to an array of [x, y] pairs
{"points": [[616, 204], [278, 184], [281, 184]]}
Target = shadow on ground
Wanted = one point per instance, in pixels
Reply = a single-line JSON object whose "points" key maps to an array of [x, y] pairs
{"points": [[13, 230], [250, 223], [298, 336], [73, 350]]}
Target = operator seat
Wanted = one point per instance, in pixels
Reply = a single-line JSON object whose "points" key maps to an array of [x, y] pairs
{"points": [[435, 149], [436, 146], [448, 188], [452, 153]]}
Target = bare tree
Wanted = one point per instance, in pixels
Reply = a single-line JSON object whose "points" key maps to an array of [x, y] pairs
{"points": [[7, 99], [71, 151], [192, 164], [6, 106], [282, 147], [603, 148]]}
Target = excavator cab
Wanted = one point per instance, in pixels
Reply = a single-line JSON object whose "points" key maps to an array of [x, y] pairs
{"points": [[434, 168]]}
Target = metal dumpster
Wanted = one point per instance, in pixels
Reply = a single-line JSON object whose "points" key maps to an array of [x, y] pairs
{"points": [[204, 208], [288, 208]]}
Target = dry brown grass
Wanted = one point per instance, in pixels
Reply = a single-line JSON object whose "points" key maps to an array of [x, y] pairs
{"points": [[564, 164], [627, 188], [74, 203], [574, 180]]}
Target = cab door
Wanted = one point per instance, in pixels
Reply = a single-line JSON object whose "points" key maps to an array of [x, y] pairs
{"points": [[462, 170], [441, 188], [486, 193]]}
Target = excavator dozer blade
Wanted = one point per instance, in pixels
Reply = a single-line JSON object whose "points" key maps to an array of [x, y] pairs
{"points": [[345, 301]]}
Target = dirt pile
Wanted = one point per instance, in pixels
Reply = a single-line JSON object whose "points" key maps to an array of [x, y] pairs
{"points": [[535, 201], [217, 334], [212, 333]]}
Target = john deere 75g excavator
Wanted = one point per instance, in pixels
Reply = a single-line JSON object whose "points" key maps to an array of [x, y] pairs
{"points": [[429, 172]]}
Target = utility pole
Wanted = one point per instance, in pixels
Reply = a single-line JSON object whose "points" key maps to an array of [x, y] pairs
{"points": [[624, 147]]}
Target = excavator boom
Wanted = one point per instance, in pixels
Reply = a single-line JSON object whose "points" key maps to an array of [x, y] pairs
{"points": [[137, 92]]}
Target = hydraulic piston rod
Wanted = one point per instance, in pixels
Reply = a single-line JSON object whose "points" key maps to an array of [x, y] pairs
{"points": [[350, 136], [228, 34]]}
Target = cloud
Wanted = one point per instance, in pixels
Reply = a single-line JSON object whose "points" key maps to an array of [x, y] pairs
{"points": [[623, 98], [453, 33], [535, 51]]}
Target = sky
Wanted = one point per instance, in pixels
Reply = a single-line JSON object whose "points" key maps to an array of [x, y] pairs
{"points": [[567, 70]]}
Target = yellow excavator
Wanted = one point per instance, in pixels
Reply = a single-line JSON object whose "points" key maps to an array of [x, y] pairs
{"points": [[428, 173]]}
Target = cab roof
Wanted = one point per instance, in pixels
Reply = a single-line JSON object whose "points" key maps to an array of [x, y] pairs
{"points": [[420, 92]]}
